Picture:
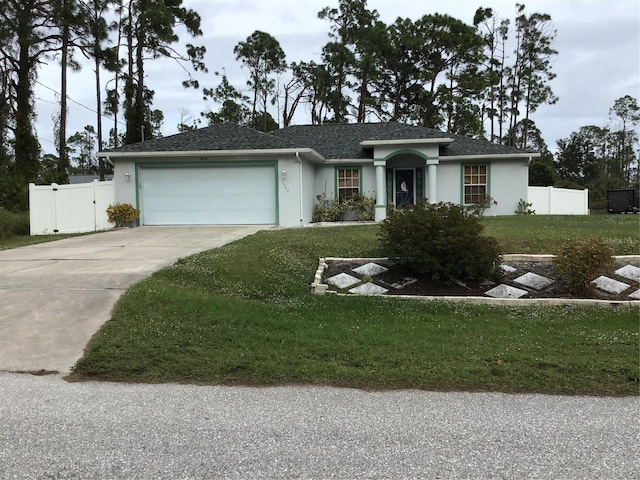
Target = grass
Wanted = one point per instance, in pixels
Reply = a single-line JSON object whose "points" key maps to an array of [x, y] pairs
{"points": [[243, 314], [16, 241], [545, 233]]}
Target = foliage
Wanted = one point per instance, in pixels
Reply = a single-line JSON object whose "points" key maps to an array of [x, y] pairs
{"points": [[233, 104], [480, 204], [524, 208], [579, 262], [262, 54], [122, 213], [541, 174], [149, 29], [12, 224], [326, 210], [602, 158], [443, 241]]}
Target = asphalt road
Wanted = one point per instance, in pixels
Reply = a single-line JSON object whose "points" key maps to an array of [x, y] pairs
{"points": [[56, 430]]}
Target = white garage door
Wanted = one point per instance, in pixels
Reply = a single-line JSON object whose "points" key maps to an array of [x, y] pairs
{"points": [[208, 195]]}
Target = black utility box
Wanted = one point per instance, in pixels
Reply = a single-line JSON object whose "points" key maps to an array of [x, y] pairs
{"points": [[622, 201]]}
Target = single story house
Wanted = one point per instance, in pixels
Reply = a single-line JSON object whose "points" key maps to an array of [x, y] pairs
{"points": [[232, 174]]}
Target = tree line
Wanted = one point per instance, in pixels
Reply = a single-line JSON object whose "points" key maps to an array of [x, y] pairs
{"points": [[119, 37], [484, 80]]}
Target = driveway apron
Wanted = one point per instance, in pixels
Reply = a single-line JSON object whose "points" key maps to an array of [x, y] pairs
{"points": [[54, 296]]}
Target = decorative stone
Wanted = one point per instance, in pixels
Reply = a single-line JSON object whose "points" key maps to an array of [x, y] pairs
{"points": [[506, 291], [629, 271], [370, 269], [533, 280], [610, 285], [635, 295], [368, 289], [342, 280], [507, 268], [405, 282]]}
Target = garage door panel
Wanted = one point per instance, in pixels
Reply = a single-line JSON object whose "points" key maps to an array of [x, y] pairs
{"points": [[208, 195]]}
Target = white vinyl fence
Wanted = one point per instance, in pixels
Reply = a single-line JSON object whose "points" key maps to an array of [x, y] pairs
{"points": [[70, 208], [559, 201]]}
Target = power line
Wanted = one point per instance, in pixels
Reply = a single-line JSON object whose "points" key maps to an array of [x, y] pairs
{"points": [[78, 103]]}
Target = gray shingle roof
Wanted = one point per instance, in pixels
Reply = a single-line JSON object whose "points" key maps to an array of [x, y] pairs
{"points": [[224, 136], [331, 140], [343, 140]]}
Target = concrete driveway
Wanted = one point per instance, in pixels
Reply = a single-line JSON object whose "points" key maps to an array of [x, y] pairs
{"points": [[54, 296]]}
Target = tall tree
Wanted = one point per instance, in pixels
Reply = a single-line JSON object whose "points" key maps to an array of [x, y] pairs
{"points": [[358, 30], [625, 115], [82, 152], [451, 52], [27, 27], [233, 104], [93, 44], [531, 72], [263, 56], [150, 30]]}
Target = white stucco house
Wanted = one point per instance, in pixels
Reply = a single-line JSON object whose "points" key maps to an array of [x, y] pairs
{"points": [[231, 174]]}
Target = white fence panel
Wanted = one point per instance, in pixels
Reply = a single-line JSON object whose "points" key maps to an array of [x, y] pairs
{"points": [[69, 208], [559, 201], [105, 196]]}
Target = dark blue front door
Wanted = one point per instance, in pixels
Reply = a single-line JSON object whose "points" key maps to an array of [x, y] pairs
{"points": [[404, 185]]}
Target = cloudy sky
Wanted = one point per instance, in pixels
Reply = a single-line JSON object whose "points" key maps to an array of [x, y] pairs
{"points": [[598, 43]]}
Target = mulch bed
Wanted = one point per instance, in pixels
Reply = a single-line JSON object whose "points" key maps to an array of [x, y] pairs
{"points": [[427, 287]]}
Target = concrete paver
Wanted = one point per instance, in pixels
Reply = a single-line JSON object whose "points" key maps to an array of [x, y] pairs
{"points": [[54, 296]]}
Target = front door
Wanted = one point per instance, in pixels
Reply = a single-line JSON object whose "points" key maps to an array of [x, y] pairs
{"points": [[404, 186]]}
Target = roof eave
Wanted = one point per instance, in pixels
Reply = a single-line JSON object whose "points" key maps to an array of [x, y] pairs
{"points": [[489, 156], [409, 141], [311, 154]]}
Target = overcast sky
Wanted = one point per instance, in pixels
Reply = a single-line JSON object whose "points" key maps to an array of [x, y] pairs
{"points": [[598, 43]]}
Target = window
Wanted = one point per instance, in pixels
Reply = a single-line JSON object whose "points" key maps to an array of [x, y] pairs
{"points": [[475, 183], [348, 183]]}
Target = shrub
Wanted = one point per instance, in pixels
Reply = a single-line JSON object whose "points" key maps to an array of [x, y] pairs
{"points": [[524, 208], [443, 241], [581, 261], [478, 206], [333, 210], [122, 213], [13, 223]]}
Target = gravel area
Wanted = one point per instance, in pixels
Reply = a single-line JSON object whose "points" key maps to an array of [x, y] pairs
{"points": [[57, 430]]}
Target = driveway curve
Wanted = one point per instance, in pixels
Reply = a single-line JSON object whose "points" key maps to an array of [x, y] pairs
{"points": [[54, 296]]}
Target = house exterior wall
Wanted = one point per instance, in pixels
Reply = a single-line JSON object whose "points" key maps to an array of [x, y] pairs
{"points": [[294, 207], [303, 181], [325, 179], [508, 183]]}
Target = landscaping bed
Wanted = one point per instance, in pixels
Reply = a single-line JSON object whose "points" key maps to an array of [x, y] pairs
{"points": [[402, 280]]}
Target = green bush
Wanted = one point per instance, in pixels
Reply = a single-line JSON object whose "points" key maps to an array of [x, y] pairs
{"points": [[362, 206], [582, 261], [13, 223], [443, 241], [122, 213], [524, 208]]}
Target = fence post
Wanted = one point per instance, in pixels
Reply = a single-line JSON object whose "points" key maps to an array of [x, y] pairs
{"points": [[94, 186], [54, 196], [586, 201]]}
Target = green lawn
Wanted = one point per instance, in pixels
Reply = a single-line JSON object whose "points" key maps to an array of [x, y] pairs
{"points": [[16, 241], [243, 314]]}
